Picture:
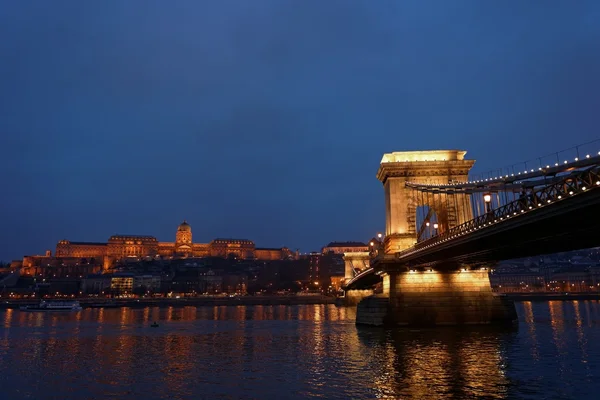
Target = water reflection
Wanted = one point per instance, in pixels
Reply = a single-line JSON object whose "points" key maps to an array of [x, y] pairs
{"points": [[293, 352], [8, 316], [564, 364], [580, 335], [438, 363], [557, 322], [529, 320]]}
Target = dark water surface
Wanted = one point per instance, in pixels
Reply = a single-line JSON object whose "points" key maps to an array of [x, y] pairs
{"points": [[286, 352]]}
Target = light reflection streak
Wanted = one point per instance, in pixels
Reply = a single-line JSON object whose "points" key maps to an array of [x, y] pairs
{"points": [[124, 316], [178, 364], [98, 348], [318, 372], [125, 350], [439, 363], [558, 335], [4, 340], [281, 312], [580, 336], [557, 322], [257, 314], [530, 321], [8, 316]]}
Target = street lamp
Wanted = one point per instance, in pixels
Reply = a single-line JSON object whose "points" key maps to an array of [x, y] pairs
{"points": [[487, 198], [379, 235]]}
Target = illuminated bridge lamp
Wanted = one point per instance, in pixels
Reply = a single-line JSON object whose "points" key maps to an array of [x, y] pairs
{"points": [[435, 226], [487, 198]]}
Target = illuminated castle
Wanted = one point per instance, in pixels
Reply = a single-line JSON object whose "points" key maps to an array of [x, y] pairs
{"points": [[133, 247]]}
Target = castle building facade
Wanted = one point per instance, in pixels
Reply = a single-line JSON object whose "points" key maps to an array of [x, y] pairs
{"points": [[124, 247]]}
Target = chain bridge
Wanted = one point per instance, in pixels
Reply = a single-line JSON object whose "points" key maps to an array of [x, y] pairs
{"points": [[445, 229]]}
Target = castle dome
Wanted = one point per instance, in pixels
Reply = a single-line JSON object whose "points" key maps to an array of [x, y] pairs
{"points": [[184, 227]]}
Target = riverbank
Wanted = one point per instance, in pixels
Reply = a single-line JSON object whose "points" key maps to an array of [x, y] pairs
{"points": [[209, 301], [552, 296], [190, 301]]}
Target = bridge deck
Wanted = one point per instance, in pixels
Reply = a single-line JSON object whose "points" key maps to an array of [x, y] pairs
{"points": [[570, 222]]}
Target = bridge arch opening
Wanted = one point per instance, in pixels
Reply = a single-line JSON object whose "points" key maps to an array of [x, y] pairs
{"points": [[408, 208], [427, 222]]}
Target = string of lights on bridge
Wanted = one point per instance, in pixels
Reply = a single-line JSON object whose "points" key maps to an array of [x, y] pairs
{"points": [[518, 174], [514, 208]]}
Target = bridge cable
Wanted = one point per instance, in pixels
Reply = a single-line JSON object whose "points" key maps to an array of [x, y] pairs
{"points": [[442, 205], [425, 219], [424, 227], [428, 206], [422, 211], [438, 207], [437, 216], [466, 205], [456, 219]]}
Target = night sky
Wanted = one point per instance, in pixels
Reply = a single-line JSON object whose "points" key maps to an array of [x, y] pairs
{"points": [[267, 120]]}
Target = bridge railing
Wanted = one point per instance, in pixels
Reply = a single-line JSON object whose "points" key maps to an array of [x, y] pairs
{"points": [[572, 185], [517, 179], [562, 157]]}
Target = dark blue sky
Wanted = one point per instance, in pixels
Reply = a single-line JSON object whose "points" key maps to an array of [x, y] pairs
{"points": [[267, 120]]}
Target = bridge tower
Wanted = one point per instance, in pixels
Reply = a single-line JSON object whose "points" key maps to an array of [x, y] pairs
{"points": [[425, 294], [426, 167]]}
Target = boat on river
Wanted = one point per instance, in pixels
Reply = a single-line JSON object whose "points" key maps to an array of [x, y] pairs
{"points": [[53, 305]]}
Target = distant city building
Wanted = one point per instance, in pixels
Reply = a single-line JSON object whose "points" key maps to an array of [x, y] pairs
{"points": [[321, 266], [146, 282], [96, 283], [336, 283], [122, 283], [345, 247], [314, 267], [47, 266]]}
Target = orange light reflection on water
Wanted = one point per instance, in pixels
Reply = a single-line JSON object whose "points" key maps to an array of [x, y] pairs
{"points": [[580, 335], [8, 316], [557, 319], [530, 321], [447, 362]]}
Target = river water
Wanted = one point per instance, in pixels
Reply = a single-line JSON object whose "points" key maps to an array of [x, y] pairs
{"points": [[295, 352]]}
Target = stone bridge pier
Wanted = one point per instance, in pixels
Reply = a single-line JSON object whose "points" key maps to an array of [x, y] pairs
{"points": [[426, 295]]}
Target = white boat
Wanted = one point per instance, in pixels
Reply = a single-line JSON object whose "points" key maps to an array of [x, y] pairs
{"points": [[53, 305]]}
